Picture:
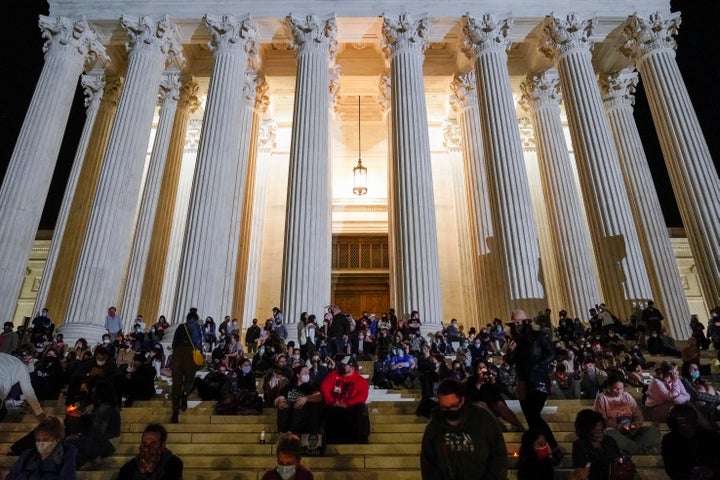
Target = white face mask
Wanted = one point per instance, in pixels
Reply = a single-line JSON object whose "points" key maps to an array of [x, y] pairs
{"points": [[305, 378], [286, 472], [44, 448], [101, 363]]}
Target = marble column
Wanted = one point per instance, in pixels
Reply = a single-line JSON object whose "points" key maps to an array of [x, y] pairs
{"points": [[267, 132], [208, 235], [452, 140], [69, 44], [70, 245], [106, 247], [168, 99], [248, 271], [489, 293], [650, 42], [617, 91], [570, 240], [516, 241], [384, 87], [93, 87], [623, 275], [415, 233], [308, 234], [187, 104]]}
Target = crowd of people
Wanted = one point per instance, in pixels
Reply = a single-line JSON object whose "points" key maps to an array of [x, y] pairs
{"points": [[320, 397]]}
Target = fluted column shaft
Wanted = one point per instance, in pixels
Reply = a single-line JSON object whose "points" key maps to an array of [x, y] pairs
{"points": [[106, 247], [93, 86], [485, 262], [163, 222], [687, 157], [669, 296], [308, 234], [623, 275], [386, 106], [70, 42], [208, 236], [415, 232], [169, 94], [571, 244], [468, 289], [516, 240]]}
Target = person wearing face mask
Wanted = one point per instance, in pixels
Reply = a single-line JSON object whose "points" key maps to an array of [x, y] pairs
{"points": [[138, 382], [289, 466], [593, 452], [113, 322], [9, 340], [403, 367], [47, 379], [49, 458], [461, 440], [317, 370], [344, 393], [664, 391], [298, 404], [703, 395], [154, 460], [237, 390], [689, 451], [534, 461]]}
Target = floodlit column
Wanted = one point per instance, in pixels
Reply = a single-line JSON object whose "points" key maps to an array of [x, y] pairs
{"points": [[58, 295], [208, 235], [570, 241], [106, 248], [385, 107], [308, 235], [692, 173], [187, 104], [70, 43], [623, 275], [516, 239], [168, 97], [267, 132], [453, 142], [93, 87], [415, 233], [489, 290]]}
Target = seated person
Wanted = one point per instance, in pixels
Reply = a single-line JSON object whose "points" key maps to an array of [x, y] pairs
{"points": [[361, 346], [688, 451], [403, 367], [634, 373], [703, 395], [534, 458], [48, 458], [210, 386], [139, 381], [276, 379], [563, 385], [664, 391], [691, 353], [481, 387], [288, 460], [98, 367], [625, 420], [234, 352], [299, 404], [660, 344], [47, 379], [593, 452], [154, 460], [344, 393], [262, 360], [238, 394], [317, 370], [591, 377]]}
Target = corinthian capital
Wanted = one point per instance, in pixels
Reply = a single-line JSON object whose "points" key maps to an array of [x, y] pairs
{"points": [[188, 94], [169, 88], [527, 134], [452, 137], [618, 88], [645, 35], [563, 35], [486, 33], [405, 32], [262, 100], [463, 91], [93, 85], [385, 92], [72, 34], [313, 33], [148, 35], [230, 34], [111, 91], [540, 91]]}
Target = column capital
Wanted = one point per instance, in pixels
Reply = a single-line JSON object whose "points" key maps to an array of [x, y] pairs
{"points": [[93, 85], [405, 33], [564, 35], [452, 136], [189, 89], [192, 135], [527, 134], [169, 88], [230, 34], [385, 92], [72, 33], [463, 91], [618, 88], [486, 33], [266, 135], [148, 35], [646, 35], [262, 100], [313, 33], [540, 91], [334, 86]]}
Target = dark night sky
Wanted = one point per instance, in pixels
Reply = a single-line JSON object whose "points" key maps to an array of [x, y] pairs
{"points": [[21, 62]]}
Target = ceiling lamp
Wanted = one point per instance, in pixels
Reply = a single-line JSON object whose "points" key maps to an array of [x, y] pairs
{"points": [[359, 172]]}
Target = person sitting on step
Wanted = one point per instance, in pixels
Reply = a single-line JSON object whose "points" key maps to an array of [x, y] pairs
{"points": [[154, 460], [345, 394]]}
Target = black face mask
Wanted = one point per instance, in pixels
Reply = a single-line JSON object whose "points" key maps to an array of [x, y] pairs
{"points": [[451, 415], [342, 370]]}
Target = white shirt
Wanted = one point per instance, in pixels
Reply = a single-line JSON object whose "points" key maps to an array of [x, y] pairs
{"points": [[12, 371]]}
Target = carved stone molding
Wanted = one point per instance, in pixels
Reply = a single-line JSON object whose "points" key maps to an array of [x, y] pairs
{"points": [[384, 95], [148, 35], [645, 35], [452, 136], [527, 134], [231, 34], [405, 33], [266, 135], [485, 33], [618, 88], [262, 100], [60, 32], [189, 89], [540, 90], [463, 91], [93, 85], [313, 33], [169, 88], [567, 34], [334, 73]]}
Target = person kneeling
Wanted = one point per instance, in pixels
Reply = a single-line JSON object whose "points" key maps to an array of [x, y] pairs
{"points": [[344, 393]]}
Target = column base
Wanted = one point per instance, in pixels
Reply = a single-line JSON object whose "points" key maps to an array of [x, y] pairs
{"points": [[73, 331]]}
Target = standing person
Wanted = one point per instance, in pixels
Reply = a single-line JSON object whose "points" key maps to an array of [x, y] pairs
{"points": [[154, 460], [49, 459], [652, 318], [113, 323], [251, 337], [461, 440], [12, 371], [531, 353], [9, 340], [288, 461], [187, 338], [278, 324], [338, 331]]}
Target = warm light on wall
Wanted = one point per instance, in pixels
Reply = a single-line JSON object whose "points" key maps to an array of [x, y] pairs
{"points": [[359, 172]]}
